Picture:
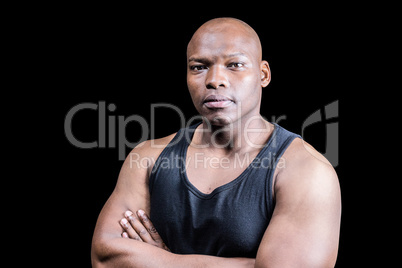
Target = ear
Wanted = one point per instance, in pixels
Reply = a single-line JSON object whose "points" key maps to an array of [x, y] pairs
{"points": [[265, 73]]}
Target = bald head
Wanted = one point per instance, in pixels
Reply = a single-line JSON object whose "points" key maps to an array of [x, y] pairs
{"points": [[226, 31], [224, 59]]}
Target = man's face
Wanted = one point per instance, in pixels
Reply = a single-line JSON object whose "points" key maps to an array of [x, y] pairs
{"points": [[224, 75]]}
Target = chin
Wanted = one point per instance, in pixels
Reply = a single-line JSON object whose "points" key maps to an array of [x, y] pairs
{"points": [[219, 117], [219, 120]]}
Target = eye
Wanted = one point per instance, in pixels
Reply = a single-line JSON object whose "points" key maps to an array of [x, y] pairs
{"points": [[198, 67], [235, 65]]}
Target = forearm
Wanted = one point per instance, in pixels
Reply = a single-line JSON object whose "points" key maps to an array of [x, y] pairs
{"points": [[212, 261], [120, 252]]}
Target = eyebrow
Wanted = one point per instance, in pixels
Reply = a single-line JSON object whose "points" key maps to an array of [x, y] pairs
{"points": [[237, 54], [206, 60], [199, 59]]}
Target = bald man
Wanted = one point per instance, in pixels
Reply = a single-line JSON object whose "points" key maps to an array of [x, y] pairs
{"points": [[231, 191]]}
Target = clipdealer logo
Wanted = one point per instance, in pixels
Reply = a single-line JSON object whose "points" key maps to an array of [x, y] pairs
{"points": [[107, 135], [327, 115], [122, 122]]}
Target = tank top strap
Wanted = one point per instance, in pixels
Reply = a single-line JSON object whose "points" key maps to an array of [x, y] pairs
{"points": [[170, 158], [277, 145], [280, 140]]}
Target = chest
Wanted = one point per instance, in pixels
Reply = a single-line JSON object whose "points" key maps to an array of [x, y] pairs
{"points": [[230, 223], [227, 222], [207, 171]]}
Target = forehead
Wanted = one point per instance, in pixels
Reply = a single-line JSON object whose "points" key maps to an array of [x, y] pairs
{"points": [[221, 44]]}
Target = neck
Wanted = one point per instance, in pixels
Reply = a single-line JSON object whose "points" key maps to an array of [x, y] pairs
{"points": [[236, 136]]}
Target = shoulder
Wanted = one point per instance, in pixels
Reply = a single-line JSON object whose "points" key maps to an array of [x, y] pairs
{"points": [[153, 146], [146, 153], [133, 180], [303, 167], [140, 161]]}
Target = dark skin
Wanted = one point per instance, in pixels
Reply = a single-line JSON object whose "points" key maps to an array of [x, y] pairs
{"points": [[225, 78]]}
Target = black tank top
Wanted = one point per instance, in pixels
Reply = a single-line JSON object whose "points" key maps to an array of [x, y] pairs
{"points": [[228, 222]]}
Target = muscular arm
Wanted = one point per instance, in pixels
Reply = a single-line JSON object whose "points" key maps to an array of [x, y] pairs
{"points": [[110, 249], [304, 229]]}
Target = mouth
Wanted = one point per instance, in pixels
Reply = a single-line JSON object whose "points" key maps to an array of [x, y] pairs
{"points": [[217, 101]]}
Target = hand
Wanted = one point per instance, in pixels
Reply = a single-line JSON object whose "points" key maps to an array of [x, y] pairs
{"points": [[140, 228]]}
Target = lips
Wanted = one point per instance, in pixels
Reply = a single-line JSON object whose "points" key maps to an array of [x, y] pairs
{"points": [[217, 101]]}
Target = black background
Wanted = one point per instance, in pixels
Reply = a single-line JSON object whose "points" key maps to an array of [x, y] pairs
{"points": [[134, 58]]}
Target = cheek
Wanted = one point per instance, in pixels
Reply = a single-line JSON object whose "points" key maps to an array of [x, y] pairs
{"points": [[191, 85], [194, 89], [196, 83], [248, 87], [192, 82]]}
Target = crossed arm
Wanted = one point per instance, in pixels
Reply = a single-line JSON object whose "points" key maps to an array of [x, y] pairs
{"points": [[137, 226], [303, 231], [140, 245], [111, 248]]}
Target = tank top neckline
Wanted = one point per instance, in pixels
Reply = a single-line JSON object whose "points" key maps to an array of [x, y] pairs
{"points": [[226, 186]]}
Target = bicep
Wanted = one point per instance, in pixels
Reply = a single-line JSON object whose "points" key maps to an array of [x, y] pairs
{"points": [[131, 193], [304, 229]]}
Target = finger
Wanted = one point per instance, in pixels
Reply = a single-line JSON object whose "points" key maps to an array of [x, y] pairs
{"points": [[149, 226], [129, 230], [138, 227], [124, 234]]}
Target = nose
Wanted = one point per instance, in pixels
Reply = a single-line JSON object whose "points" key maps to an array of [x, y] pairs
{"points": [[216, 78]]}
